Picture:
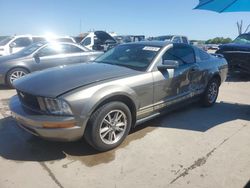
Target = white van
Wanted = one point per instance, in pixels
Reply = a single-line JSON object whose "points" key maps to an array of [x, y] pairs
{"points": [[98, 40], [14, 44]]}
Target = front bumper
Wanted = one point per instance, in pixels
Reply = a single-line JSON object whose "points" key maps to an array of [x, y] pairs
{"points": [[34, 123]]}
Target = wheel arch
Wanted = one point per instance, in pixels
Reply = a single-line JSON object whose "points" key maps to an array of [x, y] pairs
{"points": [[16, 67], [120, 97]]}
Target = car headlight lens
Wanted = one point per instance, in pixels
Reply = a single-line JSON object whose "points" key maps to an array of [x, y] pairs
{"points": [[55, 106]]}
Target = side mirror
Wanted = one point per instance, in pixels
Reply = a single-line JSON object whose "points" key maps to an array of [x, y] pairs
{"points": [[168, 64], [12, 45], [36, 57]]}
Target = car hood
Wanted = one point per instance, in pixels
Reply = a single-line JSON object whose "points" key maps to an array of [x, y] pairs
{"points": [[234, 47], [103, 36], [56, 81]]}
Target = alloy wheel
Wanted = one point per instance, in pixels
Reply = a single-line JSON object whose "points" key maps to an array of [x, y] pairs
{"points": [[212, 92], [113, 127], [16, 74]]}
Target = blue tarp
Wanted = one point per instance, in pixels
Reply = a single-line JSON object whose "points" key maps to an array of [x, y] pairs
{"points": [[224, 5]]}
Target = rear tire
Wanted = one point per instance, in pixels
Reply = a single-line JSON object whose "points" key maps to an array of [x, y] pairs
{"points": [[15, 74], [211, 93], [108, 126]]}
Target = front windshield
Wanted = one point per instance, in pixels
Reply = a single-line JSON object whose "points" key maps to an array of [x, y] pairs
{"points": [[31, 48], [242, 39], [5, 41], [134, 56]]}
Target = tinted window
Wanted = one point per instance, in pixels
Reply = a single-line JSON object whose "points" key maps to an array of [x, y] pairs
{"points": [[5, 41], [86, 41], [134, 56], [177, 40], [182, 54], [203, 55], [185, 40], [22, 42], [54, 49], [75, 49]]}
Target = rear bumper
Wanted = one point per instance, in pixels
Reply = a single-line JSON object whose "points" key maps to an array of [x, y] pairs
{"points": [[34, 123]]}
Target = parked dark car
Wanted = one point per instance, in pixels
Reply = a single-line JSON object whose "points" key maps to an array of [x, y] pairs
{"points": [[124, 87], [42, 55], [172, 38], [237, 53], [121, 39]]}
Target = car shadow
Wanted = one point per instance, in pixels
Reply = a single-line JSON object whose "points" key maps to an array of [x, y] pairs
{"points": [[18, 145], [247, 185], [237, 77], [3, 87]]}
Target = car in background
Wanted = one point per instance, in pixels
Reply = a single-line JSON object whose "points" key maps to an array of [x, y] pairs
{"points": [[172, 38], [98, 40], [237, 53], [42, 55], [16, 43], [129, 38], [124, 87]]}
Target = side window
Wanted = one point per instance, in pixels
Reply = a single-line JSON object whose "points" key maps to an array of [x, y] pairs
{"points": [[22, 42], [203, 55], [86, 41], [177, 40], [185, 40], [51, 50], [75, 49], [182, 54]]}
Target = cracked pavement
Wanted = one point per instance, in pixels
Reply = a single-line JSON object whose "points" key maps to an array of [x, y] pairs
{"points": [[191, 147]]}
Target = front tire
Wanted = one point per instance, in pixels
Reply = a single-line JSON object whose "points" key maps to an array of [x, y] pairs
{"points": [[108, 126], [211, 93], [15, 74]]}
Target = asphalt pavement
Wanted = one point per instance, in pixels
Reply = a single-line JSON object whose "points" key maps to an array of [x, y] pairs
{"points": [[190, 147]]}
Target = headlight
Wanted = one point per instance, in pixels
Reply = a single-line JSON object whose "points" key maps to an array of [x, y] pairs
{"points": [[55, 106]]}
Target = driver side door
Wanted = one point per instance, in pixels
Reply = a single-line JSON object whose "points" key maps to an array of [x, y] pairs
{"points": [[174, 85]]}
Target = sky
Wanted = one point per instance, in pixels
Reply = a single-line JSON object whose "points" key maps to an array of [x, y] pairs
{"points": [[147, 17]]}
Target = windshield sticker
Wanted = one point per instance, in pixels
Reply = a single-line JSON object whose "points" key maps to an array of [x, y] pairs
{"points": [[151, 48]]}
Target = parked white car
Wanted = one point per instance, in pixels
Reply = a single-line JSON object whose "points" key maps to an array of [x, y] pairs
{"points": [[14, 44]]}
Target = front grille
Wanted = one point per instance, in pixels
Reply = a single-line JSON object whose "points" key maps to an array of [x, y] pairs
{"points": [[28, 100]]}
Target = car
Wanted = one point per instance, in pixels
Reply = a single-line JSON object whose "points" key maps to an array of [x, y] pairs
{"points": [[16, 43], [98, 40], [42, 55], [237, 53], [129, 38], [130, 84], [172, 38]]}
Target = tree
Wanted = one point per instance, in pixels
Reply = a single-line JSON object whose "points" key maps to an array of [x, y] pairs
{"points": [[240, 27], [218, 40]]}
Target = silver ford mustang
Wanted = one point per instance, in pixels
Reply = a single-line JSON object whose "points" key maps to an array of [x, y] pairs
{"points": [[102, 100]]}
